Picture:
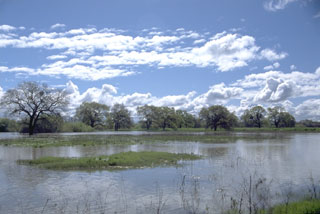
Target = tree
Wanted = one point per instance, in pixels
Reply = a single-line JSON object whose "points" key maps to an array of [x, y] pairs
{"points": [[185, 119], [147, 115], [7, 125], [310, 123], [280, 118], [34, 100], [93, 114], [217, 116], [46, 124], [120, 117], [254, 116], [165, 117], [274, 115], [287, 120]]}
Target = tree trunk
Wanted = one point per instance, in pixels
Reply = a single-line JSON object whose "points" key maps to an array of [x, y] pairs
{"points": [[31, 126], [215, 128]]}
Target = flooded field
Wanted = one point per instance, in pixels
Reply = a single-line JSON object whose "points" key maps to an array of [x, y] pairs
{"points": [[272, 166]]}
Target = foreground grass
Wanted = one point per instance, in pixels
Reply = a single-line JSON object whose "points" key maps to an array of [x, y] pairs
{"points": [[39, 141], [125, 160], [300, 207]]}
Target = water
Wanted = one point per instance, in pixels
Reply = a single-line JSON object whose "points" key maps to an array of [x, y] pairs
{"points": [[288, 160]]}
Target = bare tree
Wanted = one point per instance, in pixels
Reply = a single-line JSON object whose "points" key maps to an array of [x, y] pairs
{"points": [[34, 100]]}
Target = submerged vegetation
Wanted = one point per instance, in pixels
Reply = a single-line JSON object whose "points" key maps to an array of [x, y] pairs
{"points": [[125, 160], [93, 140]]}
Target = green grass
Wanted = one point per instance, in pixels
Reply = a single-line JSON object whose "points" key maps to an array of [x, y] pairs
{"points": [[126, 160], [300, 207], [272, 129], [39, 141]]}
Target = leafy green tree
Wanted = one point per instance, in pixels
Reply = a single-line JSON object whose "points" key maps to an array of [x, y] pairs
{"points": [[147, 115], [34, 100], [93, 114], [46, 124], [280, 118], [254, 117], [274, 115], [120, 117], [185, 119], [287, 120], [218, 116], [7, 125], [165, 117]]}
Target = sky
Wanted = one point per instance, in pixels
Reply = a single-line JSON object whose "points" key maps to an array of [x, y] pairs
{"points": [[185, 54]]}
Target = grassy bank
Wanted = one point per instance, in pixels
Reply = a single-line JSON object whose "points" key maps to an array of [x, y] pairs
{"points": [[39, 141], [300, 207], [238, 129], [126, 160], [265, 129]]}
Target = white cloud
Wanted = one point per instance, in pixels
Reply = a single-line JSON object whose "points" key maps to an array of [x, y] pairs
{"points": [[58, 25], [17, 69], [274, 5], [198, 41], [175, 100], [6, 28], [275, 90], [293, 67], [305, 84], [273, 66], [55, 57], [267, 68], [271, 55], [225, 51], [309, 109], [1, 92]]}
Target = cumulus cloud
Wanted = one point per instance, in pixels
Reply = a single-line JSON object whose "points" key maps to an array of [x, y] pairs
{"points": [[266, 89], [58, 25], [107, 94], [6, 28], [226, 51], [275, 90], [309, 109], [305, 84], [274, 5], [1, 92]]}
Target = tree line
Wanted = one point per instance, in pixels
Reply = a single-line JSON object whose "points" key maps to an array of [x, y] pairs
{"points": [[41, 108]]}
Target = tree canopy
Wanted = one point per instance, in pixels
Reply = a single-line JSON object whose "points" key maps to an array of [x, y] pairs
{"points": [[218, 116], [254, 117], [280, 118], [93, 114], [33, 100], [120, 116]]}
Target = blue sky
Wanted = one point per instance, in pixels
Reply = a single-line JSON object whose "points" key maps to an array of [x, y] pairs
{"points": [[181, 53]]}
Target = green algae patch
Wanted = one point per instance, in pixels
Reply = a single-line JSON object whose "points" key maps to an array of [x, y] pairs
{"points": [[125, 160]]}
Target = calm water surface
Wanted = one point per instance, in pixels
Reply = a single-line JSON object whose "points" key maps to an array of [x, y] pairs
{"points": [[289, 158]]}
